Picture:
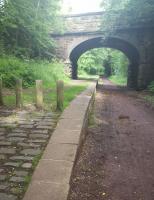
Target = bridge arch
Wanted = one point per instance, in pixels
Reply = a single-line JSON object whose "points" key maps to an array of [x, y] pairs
{"points": [[115, 43]]}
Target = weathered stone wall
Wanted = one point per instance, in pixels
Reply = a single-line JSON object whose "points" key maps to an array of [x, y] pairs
{"points": [[90, 22]]}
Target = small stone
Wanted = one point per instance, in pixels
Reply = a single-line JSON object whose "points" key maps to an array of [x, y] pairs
{"points": [[40, 131], [7, 150], [3, 177], [17, 135], [45, 123], [4, 186], [16, 190], [26, 126], [31, 151], [37, 141], [33, 136], [12, 164], [4, 196], [9, 125], [5, 143], [27, 165], [24, 123], [25, 158], [2, 157], [18, 131], [28, 145], [17, 179], [16, 139], [44, 127], [1, 170], [2, 133], [20, 173]]}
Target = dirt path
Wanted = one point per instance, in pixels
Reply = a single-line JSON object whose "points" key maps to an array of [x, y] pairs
{"points": [[117, 159]]}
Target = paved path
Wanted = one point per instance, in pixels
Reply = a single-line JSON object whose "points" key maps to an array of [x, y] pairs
{"points": [[117, 159], [23, 137]]}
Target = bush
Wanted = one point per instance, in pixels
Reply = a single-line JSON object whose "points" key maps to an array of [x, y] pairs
{"points": [[93, 71], [151, 87], [12, 68]]}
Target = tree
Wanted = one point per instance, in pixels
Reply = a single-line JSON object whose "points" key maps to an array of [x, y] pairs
{"points": [[128, 12], [25, 27], [103, 61]]}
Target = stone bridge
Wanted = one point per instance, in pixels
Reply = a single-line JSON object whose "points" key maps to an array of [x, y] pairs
{"points": [[84, 32]]}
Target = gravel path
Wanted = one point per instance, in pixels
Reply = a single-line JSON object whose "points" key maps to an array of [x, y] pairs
{"points": [[117, 159]]}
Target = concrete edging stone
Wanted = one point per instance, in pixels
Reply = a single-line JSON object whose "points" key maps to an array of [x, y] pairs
{"points": [[51, 178]]}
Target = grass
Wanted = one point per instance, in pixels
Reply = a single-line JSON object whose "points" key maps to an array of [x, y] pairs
{"points": [[118, 80], [84, 75], [70, 92], [12, 68]]}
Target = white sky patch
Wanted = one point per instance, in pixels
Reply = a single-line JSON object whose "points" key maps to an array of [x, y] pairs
{"points": [[80, 6]]}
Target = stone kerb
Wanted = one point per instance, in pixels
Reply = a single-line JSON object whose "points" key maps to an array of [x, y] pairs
{"points": [[52, 176]]}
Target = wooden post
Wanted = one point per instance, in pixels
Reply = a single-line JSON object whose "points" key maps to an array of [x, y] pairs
{"points": [[1, 92], [19, 100], [60, 95], [39, 94]]}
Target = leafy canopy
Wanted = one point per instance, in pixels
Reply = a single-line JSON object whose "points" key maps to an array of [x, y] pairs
{"points": [[25, 27]]}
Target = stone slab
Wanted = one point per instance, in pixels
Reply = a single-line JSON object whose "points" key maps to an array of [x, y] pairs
{"points": [[3, 143], [46, 191], [27, 165], [4, 196], [42, 136], [22, 158], [33, 152], [70, 124], [55, 171], [17, 179], [60, 152], [12, 164], [20, 173], [4, 186], [65, 137], [7, 151]]}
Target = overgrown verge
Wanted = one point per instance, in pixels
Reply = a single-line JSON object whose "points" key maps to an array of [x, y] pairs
{"points": [[149, 96], [118, 80], [12, 68]]}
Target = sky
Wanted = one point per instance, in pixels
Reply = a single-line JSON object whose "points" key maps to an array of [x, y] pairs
{"points": [[80, 6]]}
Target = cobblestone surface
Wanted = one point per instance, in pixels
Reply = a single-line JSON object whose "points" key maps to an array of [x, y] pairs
{"points": [[23, 137]]}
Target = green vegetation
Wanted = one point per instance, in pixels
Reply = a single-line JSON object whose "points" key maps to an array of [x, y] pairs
{"points": [[25, 27], [127, 12], [91, 63], [12, 68], [150, 96], [70, 92], [151, 87], [119, 80], [104, 62]]}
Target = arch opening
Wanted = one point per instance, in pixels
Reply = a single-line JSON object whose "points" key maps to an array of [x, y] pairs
{"points": [[114, 43]]}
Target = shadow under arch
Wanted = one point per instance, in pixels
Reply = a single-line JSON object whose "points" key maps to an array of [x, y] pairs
{"points": [[128, 49]]}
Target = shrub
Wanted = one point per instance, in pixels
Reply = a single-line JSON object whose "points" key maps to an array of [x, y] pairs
{"points": [[12, 68], [151, 87]]}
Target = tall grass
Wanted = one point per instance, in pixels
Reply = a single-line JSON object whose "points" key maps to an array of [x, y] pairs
{"points": [[12, 68]]}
